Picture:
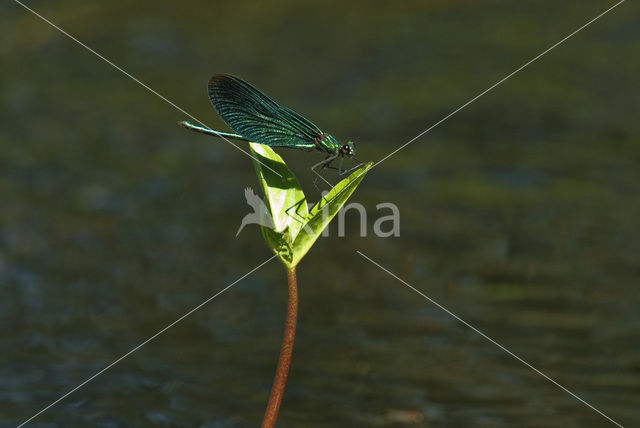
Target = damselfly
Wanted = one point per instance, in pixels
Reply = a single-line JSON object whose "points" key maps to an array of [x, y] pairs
{"points": [[256, 117]]}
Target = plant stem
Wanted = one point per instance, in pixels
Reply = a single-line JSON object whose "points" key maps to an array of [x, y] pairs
{"points": [[282, 371]]}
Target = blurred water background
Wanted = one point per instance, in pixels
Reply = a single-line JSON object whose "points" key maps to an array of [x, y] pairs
{"points": [[520, 214]]}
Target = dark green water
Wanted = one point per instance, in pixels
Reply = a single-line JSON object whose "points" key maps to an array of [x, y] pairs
{"points": [[520, 214]]}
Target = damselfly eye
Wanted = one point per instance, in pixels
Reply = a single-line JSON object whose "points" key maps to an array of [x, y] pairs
{"points": [[346, 148]]}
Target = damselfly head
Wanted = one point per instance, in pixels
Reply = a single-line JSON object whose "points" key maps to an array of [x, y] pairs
{"points": [[348, 149]]}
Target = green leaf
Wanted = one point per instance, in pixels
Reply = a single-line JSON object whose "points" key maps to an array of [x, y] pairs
{"points": [[324, 211], [286, 202], [295, 229]]}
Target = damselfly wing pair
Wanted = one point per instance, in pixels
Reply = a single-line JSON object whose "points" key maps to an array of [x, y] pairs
{"points": [[257, 118]]}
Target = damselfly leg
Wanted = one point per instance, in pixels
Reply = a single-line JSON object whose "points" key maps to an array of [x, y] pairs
{"points": [[347, 171], [324, 164]]}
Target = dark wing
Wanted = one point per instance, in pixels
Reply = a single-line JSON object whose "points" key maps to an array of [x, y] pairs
{"points": [[252, 114]]}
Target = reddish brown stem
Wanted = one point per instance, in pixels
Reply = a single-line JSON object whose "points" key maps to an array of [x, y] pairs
{"points": [[282, 371]]}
